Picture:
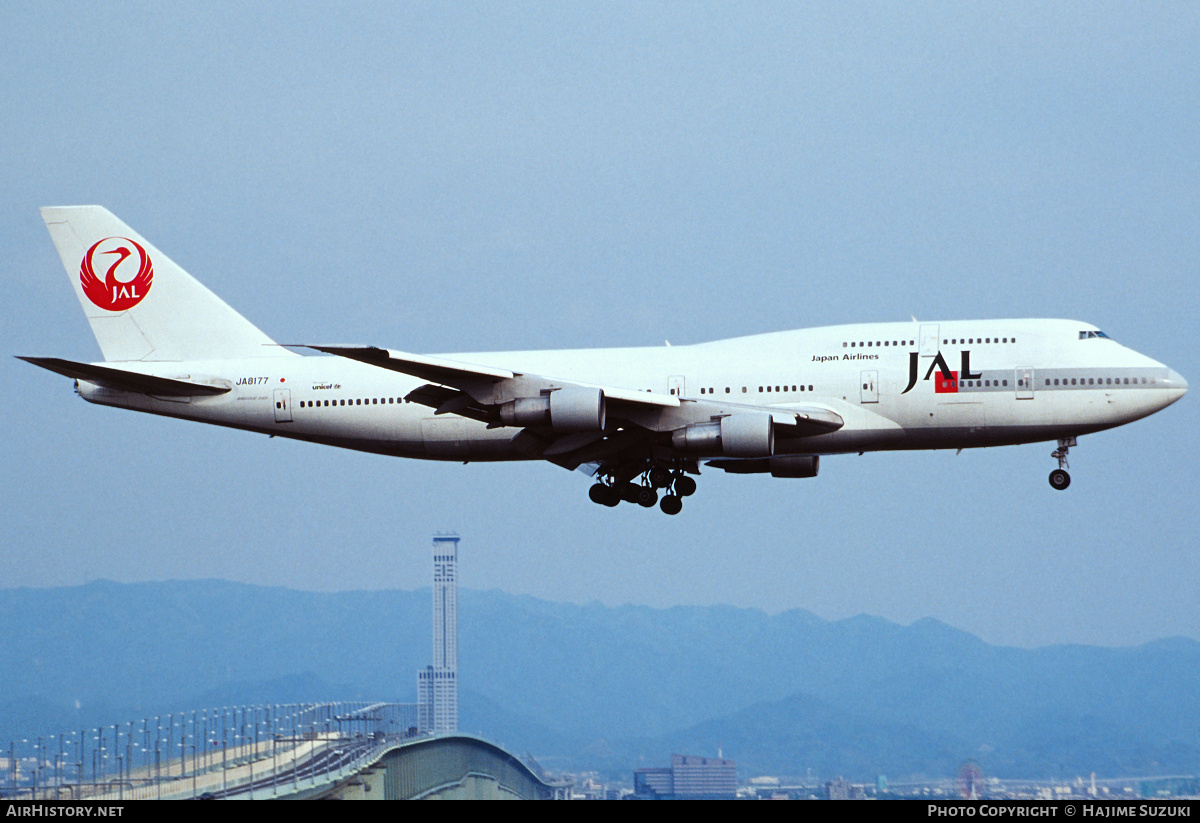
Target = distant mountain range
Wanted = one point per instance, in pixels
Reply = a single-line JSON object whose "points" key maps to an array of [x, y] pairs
{"points": [[613, 689]]}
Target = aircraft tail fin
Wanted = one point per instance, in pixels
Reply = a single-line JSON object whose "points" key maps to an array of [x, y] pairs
{"points": [[140, 304]]}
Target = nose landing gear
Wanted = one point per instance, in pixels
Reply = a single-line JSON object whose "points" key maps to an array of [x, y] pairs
{"points": [[1059, 479]]}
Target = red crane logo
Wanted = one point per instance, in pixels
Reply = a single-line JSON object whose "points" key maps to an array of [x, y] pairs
{"points": [[123, 286]]}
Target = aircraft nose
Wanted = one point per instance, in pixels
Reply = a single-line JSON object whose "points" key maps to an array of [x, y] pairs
{"points": [[1175, 384]]}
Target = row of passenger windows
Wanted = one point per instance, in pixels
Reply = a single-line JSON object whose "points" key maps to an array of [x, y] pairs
{"points": [[870, 343], [1090, 381], [951, 341], [358, 401], [1101, 381], [761, 389], [1074, 381], [975, 384]]}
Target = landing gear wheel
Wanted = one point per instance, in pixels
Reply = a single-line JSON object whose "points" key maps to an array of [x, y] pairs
{"points": [[604, 495], [671, 504], [598, 493], [660, 478], [1059, 479], [685, 486], [627, 492], [646, 496]]}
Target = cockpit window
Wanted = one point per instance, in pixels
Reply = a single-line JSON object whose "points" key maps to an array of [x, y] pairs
{"points": [[1084, 335]]}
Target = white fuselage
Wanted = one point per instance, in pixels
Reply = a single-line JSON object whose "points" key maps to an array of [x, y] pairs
{"points": [[956, 384]]}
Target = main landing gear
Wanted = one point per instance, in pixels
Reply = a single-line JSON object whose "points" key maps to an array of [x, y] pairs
{"points": [[611, 490], [1059, 479]]}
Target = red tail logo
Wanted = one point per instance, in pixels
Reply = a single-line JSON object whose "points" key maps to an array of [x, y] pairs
{"points": [[125, 283]]}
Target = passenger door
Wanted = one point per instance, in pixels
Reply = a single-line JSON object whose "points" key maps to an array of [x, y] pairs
{"points": [[870, 386], [1023, 377], [283, 405]]}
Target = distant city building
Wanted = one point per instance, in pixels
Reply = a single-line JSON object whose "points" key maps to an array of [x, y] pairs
{"points": [[437, 685], [689, 778], [653, 783], [704, 776], [843, 790]]}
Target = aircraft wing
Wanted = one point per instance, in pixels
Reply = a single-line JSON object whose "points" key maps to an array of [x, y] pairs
{"points": [[127, 380], [433, 369], [569, 422], [480, 381]]}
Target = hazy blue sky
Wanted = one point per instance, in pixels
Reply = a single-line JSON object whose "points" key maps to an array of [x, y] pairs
{"points": [[462, 177]]}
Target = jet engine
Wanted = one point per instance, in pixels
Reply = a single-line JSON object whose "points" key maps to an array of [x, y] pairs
{"points": [[573, 409], [784, 465], [748, 434], [795, 465]]}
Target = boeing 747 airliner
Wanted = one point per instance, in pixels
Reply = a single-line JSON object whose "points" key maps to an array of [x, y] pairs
{"points": [[640, 420]]}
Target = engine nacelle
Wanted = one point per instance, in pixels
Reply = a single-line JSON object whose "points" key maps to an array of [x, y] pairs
{"points": [[573, 409], [526, 411], [749, 434], [795, 465], [785, 465]]}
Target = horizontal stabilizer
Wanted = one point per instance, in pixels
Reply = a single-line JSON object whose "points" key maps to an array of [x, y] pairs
{"points": [[126, 380]]}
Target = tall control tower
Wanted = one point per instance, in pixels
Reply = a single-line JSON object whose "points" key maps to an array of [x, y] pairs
{"points": [[437, 685]]}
